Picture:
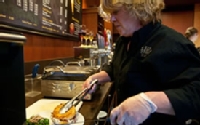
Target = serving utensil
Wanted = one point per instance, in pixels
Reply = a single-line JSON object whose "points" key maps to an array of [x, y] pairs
{"points": [[92, 120], [78, 98]]}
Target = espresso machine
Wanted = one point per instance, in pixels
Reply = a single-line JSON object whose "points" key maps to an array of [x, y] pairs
{"points": [[12, 78]]}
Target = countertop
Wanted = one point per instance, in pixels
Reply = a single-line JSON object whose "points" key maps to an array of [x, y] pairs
{"points": [[89, 109]]}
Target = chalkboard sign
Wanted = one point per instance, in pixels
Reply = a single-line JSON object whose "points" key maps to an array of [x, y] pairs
{"points": [[57, 17]]}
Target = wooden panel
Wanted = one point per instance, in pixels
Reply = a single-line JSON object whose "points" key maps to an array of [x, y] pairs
{"points": [[179, 21], [90, 19], [28, 51], [108, 26], [90, 3], [84, 4], [43, 48], [197, 22], [37, 46], [48, 48]]}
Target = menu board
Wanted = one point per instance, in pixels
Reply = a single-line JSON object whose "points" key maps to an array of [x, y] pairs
{"points": [[58, 17]]}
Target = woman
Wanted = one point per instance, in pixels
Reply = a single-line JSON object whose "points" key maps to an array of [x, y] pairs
{"points": [[191, 33], [155, 70]]}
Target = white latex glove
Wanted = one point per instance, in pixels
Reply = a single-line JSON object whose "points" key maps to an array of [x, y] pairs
{"points": [[87, 84], [133, 111]]}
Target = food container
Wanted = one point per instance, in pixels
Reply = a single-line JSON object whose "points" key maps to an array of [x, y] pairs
{"points": [[66, 81], [32, 85]]}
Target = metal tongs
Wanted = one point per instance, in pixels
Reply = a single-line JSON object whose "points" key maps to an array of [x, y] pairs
{"points": [[78, 98]]}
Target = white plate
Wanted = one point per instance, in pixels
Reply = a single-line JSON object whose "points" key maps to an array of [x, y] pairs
{"points": [[101, 114], [47, 114], [45, 105]]}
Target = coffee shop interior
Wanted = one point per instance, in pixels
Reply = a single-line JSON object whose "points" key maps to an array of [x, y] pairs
{"points": [[41, 69]]}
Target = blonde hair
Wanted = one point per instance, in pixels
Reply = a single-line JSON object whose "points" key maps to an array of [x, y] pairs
{"points": [[144, 10]]}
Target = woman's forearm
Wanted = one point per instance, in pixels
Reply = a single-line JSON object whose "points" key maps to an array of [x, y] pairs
{"points": [[162, 102]]}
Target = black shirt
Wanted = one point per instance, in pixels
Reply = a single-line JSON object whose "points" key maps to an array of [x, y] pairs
{"points": [[198, 48], [158, 59]]}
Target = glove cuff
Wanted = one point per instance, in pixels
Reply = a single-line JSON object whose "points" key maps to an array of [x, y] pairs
{"points": [[152, 105]]}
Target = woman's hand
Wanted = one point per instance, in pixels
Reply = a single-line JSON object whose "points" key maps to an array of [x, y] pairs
{"points": [[87, 84], [133, 111], [102, 77]]}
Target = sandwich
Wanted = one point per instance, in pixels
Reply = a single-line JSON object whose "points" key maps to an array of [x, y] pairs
{"points": [[69, 116]]}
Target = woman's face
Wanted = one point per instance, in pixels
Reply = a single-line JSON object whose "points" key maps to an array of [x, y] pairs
{"points": [[194, 37], [125, 24]]}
